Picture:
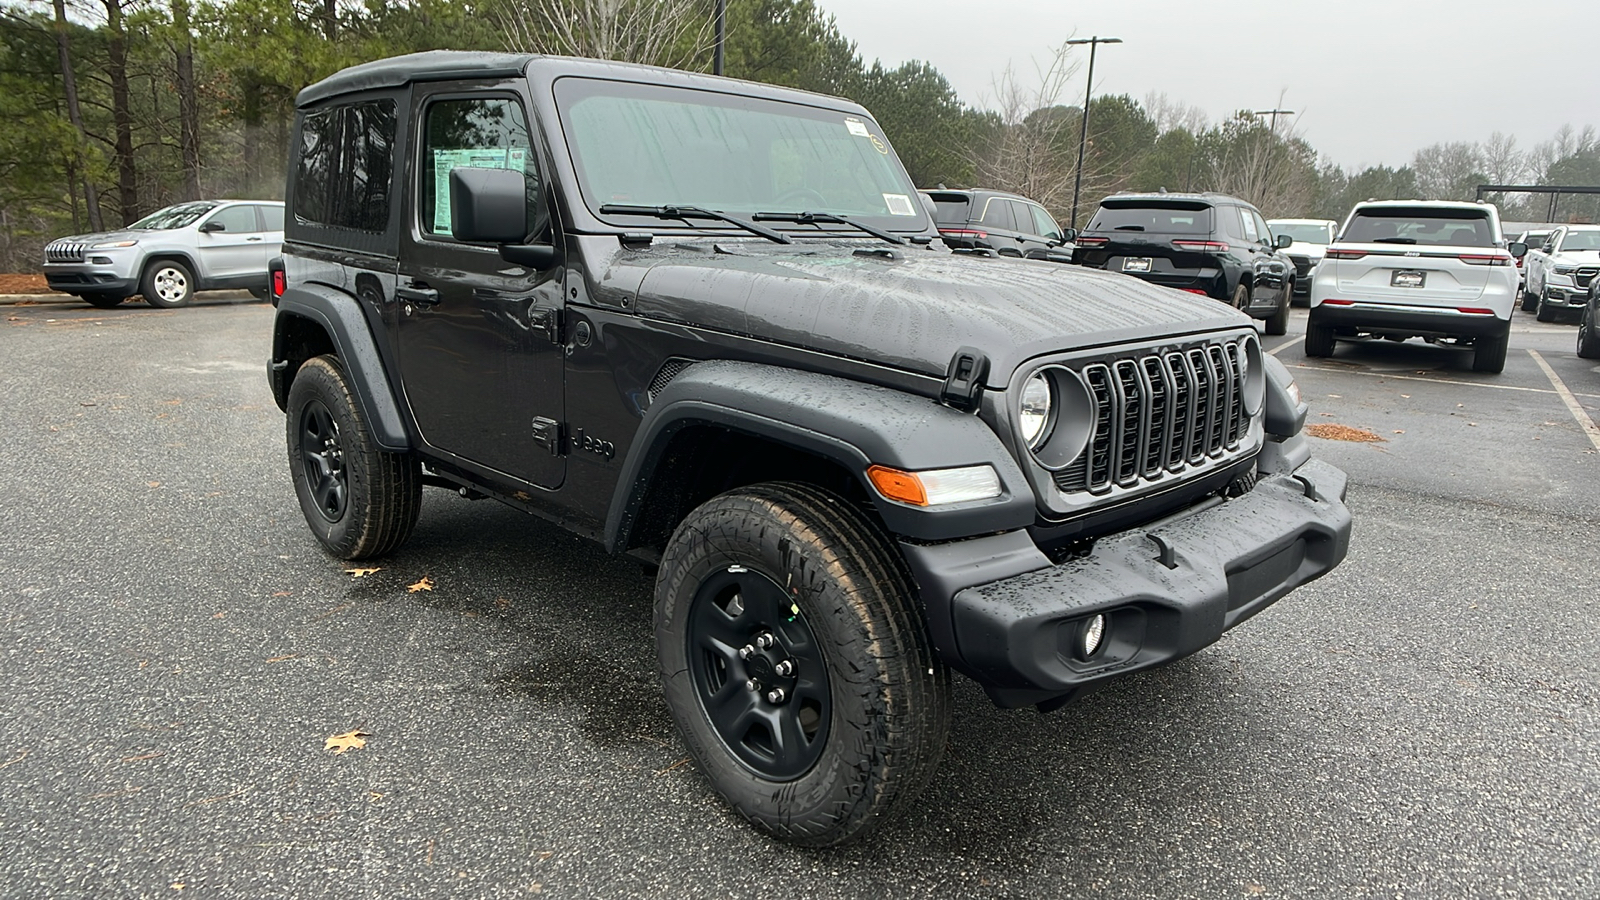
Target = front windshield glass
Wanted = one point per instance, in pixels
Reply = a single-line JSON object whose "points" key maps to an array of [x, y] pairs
{"points": [[1581, 240], [1303, 234], [174, 216], [650, 145]]}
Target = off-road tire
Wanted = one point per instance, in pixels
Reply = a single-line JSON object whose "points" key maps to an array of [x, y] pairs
{"points": [[1278, 322], [1588, 338], [360, 501], [167, 283], [1489, 353], [103, 301], [1319, 339], [889, 694]]}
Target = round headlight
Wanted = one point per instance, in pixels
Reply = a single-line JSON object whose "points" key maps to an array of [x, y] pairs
{"points": [[1033, 414]]}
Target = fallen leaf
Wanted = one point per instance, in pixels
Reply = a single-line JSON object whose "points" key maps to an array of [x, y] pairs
{"points": [[1407, 396], [1473, 424], [426, 584], [350, 740], [1331, 432], [374, 796], [1336, 396], [178, 885], [502, 603], [282, 593], [285, 658], [1399, 431], [154, 484], [361, 573], [220, 615], [142, 757]]}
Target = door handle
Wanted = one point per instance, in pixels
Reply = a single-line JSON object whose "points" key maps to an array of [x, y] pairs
{"points": [[418, 294], [252, 239]]}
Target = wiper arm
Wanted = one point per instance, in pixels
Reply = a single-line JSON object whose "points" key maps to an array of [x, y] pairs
{"points": [[693, 212], [812, 218]]}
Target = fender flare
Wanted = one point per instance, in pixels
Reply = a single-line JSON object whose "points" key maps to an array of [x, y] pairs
{"points": [[850, 423], [339, 316]]}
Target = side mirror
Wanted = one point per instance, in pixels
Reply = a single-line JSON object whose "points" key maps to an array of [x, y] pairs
{"points": [[1518, 249], [490, 206], [1283, 241], [212, 226], [1069, 235]]}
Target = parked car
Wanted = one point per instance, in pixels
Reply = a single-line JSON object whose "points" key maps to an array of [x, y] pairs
{"points": [[1311, 236], [1210, 244], [1589, 323], [168, 255], [1560, 271], [590, 291], [1533, 240], [1434, 269], [1008, 224]]}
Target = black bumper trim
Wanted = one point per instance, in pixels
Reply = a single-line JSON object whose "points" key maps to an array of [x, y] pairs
{"points": [[1419, 324]]}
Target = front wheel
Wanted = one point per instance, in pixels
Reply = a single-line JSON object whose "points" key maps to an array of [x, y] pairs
{"points": [[1241, 297], [1542, 312], [1530, 300], [1278, 322], [1319, 339], [167, 284], [359, 500], [796, 668]]}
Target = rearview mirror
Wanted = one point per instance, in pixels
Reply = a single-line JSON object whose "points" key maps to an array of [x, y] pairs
{"points": [[1283, 241]]}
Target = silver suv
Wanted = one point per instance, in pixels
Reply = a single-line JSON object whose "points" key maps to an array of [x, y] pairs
{"points": [[203, 245]]}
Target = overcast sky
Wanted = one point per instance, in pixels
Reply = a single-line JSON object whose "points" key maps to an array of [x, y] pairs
{"points": [[1372, 81]]}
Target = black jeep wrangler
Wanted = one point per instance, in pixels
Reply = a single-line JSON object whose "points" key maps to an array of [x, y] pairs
{"points": [[709, 324]]}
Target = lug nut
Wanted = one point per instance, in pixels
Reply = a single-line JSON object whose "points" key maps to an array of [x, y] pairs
{"points": [[776, 695], [751, 684], [785, 668], [765, 640], [746, 651]]}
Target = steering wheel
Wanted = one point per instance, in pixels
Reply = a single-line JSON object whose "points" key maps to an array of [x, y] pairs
{"points": [[796, 196]]}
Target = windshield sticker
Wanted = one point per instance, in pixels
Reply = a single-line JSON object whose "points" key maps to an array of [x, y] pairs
{"points": [[857, 127], [474, 158], [899, 205], [878, 142]]}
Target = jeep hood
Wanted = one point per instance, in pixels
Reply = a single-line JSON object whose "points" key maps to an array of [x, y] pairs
{"points": [[105, 237], [911, 307]]}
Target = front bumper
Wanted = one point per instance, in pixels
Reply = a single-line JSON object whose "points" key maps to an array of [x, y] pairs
{"points": [[1564, 296], [1167, 589], [82, 278]]}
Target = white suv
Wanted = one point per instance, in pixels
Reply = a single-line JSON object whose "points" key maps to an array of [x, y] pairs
{"points": [[1560, 271], [1434, 269]]}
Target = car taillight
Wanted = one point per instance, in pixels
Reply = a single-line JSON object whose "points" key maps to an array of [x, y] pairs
{"points": [[280, 283], [1346, 254], [1197, 291], [1475, 310], [1338, 303], [1091, 241], [964, 232], [1202, 246], [1484, 259]]}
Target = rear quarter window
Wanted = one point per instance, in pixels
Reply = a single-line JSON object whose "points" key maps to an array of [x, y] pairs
{"points": [[345, 166]]}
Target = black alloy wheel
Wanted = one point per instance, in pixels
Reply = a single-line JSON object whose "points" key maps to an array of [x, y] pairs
{"points": [[759, 673], [323, 459]]}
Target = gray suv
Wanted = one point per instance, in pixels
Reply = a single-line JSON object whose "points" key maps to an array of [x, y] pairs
{"points": [[166, 256]]}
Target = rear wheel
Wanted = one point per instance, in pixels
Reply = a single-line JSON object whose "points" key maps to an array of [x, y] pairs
{"points": [[103, 301], [1588, 338], [1319, 339], [359, 500], [167, 284], [1489, 354], [794, 664], [1278, 322]]}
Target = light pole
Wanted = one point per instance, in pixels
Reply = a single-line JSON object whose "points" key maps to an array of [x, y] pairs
{"points": [[1083, 133], [722, 36], [1274, 113]]}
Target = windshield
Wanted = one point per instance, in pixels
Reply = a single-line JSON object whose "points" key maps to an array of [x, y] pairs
{"points": [[175, 216], [1420, 226], [649, 145], [1176, 218], [1303, 234], [1581, 240]]}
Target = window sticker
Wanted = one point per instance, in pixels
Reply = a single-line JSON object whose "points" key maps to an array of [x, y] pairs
{"points": [[878, 143], [473, 158], [899, 205], [857, 127]]}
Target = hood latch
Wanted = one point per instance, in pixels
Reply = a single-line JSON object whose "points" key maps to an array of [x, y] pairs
{"points": [[963, 380]]}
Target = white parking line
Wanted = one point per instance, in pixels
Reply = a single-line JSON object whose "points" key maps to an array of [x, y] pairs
{"points": [[1483, 384], [1577, 410], [1283, 346]]}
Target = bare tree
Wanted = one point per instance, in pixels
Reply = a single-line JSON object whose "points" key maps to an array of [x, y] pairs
{"points": [[1275, 170], [1031, 150], [1448, 171], [1502, 161], [1169, 114], [674, 33]]}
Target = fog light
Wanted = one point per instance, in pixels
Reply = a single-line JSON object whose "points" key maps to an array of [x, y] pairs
{"points": [[1093, 634]]}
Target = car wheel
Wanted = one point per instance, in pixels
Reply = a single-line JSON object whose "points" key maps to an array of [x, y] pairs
{"points": [[794, 663], [1588, 339], [359, 500], [1278, 322], [167, 284], [1489, 354], [103, 301], [1530, 300], [1544, 313], [1319, 339], [1241, 297]]}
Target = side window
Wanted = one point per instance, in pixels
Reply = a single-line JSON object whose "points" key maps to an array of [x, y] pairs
{"points": [[1024, 218], [481, 132], [271, 217], [346, 161], [1248, 223], [240, 219], [997, 214], [1261, 226], [1043, 225]]}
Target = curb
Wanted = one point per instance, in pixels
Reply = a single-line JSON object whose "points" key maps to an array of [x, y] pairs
{"points": [[69, 299]]}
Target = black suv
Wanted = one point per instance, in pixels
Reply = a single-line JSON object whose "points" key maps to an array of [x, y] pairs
{"points": [[702, 321], [1008, 224], [1209, 244]]}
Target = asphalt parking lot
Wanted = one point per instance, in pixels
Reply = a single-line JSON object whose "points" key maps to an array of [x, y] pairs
{"points": [[1424, 722]]}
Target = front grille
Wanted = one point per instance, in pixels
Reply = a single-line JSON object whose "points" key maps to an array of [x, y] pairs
{"points": [[1157, 415], [1585, 275], [1302, 265], [65, 251]]}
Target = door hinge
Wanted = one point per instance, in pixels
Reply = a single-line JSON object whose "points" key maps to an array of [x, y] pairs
{"points": [[547, 321], [547, 434], [963, 381]]}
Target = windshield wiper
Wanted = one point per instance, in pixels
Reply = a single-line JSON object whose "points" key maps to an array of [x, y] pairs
{"points": [[812, 218], [1394, 240], [693, 212]]}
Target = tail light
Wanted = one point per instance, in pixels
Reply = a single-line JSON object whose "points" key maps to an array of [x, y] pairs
{"points": [[1196, 291], [280, 279], [1338, 303], [1475, 310], [1091, 241], [1345, 254], [963, 232], [1202, 246], [1485, 259]]}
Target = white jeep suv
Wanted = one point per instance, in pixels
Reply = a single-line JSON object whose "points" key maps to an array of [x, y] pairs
{"points": [[1434, 269]]}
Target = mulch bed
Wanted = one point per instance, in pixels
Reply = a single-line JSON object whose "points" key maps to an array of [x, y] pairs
{"points": [[1332, 432], [23, 284]]}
